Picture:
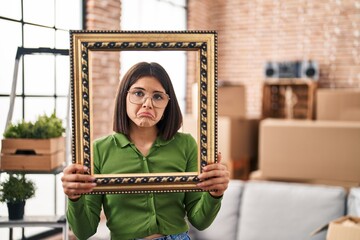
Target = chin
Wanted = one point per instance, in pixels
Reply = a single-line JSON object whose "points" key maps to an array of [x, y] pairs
{"points": [[146, 124]]}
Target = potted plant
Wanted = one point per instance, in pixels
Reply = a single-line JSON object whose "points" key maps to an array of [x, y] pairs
{"points": [[43, 128], [34, 146], [15, 190]]}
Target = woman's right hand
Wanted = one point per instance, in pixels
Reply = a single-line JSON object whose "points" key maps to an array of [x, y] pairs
{"points": [[75, 182]]}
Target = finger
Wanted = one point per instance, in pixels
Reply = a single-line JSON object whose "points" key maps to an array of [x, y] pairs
{"points": [[74, 177], [219, 157], [79, 185], [213, 170], [211, 174], [218, 189], [75, 168], [214, 166], [76, 188], [214, 181]]}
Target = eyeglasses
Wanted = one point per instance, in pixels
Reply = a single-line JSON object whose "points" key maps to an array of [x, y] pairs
{"points": [[138, 96]]}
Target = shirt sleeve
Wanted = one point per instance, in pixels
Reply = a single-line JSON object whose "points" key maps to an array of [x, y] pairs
{"points": [[201, 207], [83, 215]]}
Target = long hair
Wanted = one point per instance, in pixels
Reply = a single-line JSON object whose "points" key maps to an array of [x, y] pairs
{"points": [[172, 118]]}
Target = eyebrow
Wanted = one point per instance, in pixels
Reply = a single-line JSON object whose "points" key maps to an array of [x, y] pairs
{"points": [[141, 88]]}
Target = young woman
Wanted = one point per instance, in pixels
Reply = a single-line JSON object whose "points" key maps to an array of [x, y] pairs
{"points": [[147, 118]]}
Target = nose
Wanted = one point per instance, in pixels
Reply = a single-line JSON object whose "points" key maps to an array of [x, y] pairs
{"points": [[148, 102]]}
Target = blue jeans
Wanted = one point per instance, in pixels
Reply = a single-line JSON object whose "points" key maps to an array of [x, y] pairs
{"points": [[180, 236]]}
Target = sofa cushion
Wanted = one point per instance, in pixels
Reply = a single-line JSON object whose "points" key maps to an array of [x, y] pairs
{"points": [[226, 222], [353, 203], [283, 211]]}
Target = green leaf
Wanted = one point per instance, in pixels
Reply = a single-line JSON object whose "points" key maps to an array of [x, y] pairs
{"points": [[16, 188], [44, 127]]}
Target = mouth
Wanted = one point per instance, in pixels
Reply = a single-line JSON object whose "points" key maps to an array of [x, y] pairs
{"points": [[145, 114]]}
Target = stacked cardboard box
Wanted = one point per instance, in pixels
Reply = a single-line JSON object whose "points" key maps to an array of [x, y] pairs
{"points": [[338, 104], [237, 133], [231, 100], [238, 143], [321, 151], [298, 150]]}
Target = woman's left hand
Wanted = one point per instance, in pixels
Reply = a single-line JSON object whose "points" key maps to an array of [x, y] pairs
{"points": [[214, 178]]}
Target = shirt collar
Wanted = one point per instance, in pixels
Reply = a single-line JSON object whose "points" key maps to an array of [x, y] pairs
{"points": [[122, 140]]}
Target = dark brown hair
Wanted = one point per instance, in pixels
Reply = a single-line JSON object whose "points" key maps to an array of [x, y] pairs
{"points": [[172, 118]]}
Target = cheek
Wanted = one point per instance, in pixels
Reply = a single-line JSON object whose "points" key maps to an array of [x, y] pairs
{"points": [[131, 110], [160, 114]]}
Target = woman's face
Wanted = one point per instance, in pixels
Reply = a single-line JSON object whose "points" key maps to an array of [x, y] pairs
{"points": [[145, 102]]}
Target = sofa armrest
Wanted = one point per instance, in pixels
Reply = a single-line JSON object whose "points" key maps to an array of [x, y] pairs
{"points": [[353, 203], [226, 222]]}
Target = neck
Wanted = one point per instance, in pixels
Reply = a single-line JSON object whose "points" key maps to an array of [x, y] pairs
{"points": [[143, 138], [143, 134]]}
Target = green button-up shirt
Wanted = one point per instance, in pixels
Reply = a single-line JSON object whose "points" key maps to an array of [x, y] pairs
{"points": [[139, 215]]}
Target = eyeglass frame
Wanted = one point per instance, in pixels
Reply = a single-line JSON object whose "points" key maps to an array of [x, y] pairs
{"points": [[146, 96]]}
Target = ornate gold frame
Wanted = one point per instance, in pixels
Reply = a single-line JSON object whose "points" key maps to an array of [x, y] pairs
{"points": [[204, 42]]}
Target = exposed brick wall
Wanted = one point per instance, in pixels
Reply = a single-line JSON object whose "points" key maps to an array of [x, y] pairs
{"points": [[252, 32], [197, 15], [249, 34], [104, 15]]}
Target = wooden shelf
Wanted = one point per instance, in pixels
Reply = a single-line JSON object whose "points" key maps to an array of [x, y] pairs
{"points": [[53, 221], [289, 98]]}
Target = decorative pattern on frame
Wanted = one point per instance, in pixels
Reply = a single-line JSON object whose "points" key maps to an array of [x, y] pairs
{"points": [[207, 100]]}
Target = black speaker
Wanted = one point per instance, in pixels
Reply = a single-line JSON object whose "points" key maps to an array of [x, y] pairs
{"points": [[271, 70], [292, 69], [289, 69], [282, 69], [309, 69]]}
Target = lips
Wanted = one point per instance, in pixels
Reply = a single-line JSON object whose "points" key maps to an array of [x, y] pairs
{"points": [[145, 114]]}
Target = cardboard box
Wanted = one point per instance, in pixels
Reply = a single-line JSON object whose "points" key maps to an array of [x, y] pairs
{"points": [[310, 150], [231, 100], [338, 104], [32, 154], [344, 228], [238, 138], [190, 125]]}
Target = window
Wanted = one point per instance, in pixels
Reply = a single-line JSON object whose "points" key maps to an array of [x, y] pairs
{"points": [[43, 79], [160, 15]]}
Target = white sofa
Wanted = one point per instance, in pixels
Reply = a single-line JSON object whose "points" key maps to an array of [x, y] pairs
{"points": [[266, 210]]}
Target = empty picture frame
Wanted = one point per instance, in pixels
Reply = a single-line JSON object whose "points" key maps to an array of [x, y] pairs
{"points": [[84, 43]]}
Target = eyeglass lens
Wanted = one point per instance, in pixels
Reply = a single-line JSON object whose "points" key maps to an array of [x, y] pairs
{"points": [[159, 99]]}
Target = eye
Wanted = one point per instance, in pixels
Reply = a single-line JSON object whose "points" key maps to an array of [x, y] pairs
{"points": [[138, 93], [158, 96]]}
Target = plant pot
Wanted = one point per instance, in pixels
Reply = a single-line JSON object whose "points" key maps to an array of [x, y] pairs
{"points": [[16, 210]]}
